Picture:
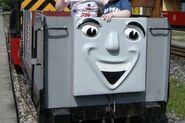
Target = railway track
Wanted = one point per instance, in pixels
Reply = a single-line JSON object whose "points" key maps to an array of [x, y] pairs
{"points": [[178, 50], [25, 108]]}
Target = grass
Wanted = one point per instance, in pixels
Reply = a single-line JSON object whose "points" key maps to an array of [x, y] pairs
{"points": [[176, 102], [178, 36]]}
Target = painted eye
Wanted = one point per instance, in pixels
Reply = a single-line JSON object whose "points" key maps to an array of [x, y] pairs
{"points": [[133, 34], [90, 30]]}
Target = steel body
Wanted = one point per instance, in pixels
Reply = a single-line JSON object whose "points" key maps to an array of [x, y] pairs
{"points": [[74, 67]]}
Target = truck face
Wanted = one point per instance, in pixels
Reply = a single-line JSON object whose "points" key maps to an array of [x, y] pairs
{"points": [[110, 52]]}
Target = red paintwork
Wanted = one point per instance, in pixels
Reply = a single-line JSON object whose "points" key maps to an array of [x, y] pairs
{"points": [[14, 51], [56, 13], [175, 18]]}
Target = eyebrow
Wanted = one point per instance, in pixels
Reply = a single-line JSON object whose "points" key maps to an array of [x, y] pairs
{"points": [[88, 20], [138, 25]]}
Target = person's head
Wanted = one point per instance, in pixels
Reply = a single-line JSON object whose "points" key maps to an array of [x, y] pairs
{"points": [[112, 1]]}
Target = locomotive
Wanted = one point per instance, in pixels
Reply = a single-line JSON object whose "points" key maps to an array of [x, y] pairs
{"points": [[85, 69]]}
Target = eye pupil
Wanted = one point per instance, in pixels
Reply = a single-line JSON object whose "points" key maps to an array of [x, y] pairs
{"points": [[91, 32], [133, 35]]}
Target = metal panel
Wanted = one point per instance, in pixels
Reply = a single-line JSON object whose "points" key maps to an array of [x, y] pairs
{"points": [[158, 52], [58, 55], [112, 61], [27, 42], [38, 56], [42, 5]]}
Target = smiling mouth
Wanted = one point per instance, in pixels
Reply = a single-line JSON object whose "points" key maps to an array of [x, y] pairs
{"points": [[113, 71]]}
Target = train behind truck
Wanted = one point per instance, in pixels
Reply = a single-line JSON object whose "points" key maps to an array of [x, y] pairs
{"points": [[174, 10], [88, 70]]}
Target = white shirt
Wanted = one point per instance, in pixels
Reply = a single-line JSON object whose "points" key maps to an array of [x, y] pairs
{"points": [[83, 8]]}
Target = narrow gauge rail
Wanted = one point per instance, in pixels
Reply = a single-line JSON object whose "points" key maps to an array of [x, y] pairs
{"points": [[178, 50], [25, 108]]}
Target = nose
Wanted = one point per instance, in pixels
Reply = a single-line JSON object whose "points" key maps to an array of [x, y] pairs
{"points": [[112, 42]]}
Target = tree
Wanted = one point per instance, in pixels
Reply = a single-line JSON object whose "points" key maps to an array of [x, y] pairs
{"points": [[9, 4]]}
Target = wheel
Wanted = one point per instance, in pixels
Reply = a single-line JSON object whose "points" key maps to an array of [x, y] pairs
{"points": [[44, 117], [60, 116], [155, 113], [55, 116]]}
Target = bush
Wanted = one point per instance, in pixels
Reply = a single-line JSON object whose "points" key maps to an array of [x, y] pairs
{"points": [[5, 7], [8, 5]]}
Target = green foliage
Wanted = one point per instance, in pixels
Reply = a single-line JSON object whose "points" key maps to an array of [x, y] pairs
{"points": [[183, 1], [178, 36], [177, 98], [7, 5]]}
